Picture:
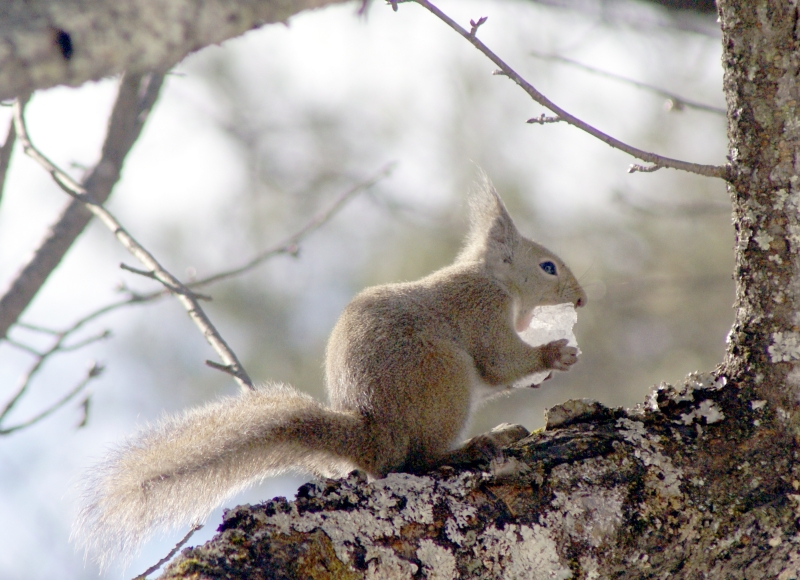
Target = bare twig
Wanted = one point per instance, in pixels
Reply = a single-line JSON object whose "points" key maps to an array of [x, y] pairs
{"points": [[224, 368], [671, 210], [42, 357], [154, 276], [706, 170], [37, 328], [137, 94], [169, 556], [23, 346], [677, 102], [290, 244], [636, 168], [92, 373], [132, 270], [5, 153], [183, 294], [87, 341], [59, 347], [476, 25]]}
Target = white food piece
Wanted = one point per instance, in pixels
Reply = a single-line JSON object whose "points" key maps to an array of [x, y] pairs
{"points": [[549, 323]]}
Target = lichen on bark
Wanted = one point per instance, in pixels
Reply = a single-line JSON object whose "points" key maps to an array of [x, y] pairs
{"points": [[679, 485], [761, 62]]}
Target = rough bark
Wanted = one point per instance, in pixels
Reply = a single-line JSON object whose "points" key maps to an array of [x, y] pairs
{"points": [[44, 43], [700, 482], [762, 62], [675, 489]]}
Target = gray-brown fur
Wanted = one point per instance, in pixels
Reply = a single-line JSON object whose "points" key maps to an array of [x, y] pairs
{"points": [[406, 366]]}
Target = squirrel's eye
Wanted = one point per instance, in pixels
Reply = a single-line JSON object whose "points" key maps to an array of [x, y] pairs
{"points": [[549, 267]]}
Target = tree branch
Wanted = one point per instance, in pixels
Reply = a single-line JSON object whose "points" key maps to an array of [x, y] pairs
{"points": [[676, 101], [171, 553], [289, 245], [5, 153], [657, 160], [95, 371], [53, 42], [673, 488], [184, 295], [137, 94]]}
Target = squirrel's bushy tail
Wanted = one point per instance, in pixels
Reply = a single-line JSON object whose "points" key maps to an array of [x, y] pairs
{"points": [[178, 471]]}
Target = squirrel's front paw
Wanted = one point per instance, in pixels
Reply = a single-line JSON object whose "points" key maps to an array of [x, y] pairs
{"points": [[557, 355]]}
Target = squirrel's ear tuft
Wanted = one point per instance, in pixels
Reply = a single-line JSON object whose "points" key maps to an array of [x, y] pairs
{"points": [[492, 234]]}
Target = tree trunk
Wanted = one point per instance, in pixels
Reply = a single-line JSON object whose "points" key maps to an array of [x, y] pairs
{"points": [[699, 482]]}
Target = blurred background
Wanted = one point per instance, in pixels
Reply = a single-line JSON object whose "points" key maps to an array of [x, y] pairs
{"points": [[252, 138]]}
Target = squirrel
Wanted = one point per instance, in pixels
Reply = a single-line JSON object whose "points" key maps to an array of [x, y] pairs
{"points": [[406, 366]]}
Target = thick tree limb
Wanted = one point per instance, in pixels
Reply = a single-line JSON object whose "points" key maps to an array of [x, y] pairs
{"points": [[137, 94], [54, 42], [671, 490]]}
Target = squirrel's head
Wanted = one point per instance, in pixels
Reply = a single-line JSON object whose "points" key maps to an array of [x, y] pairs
{"points": [[530, 270]]}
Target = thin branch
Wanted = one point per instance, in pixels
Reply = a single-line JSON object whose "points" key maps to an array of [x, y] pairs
{"points": [[706, 170], [153, 276], [5, 152], [677, 102], [57, 346], [132, 270], [25, 347], [95, 371], [183, 294], [672, 210], [32, 372], [636, 168], [474, 26], [290, 245], [86, 341], [137, 94], [37, 328], [227, 369], [169, 556], [85, 405]]}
